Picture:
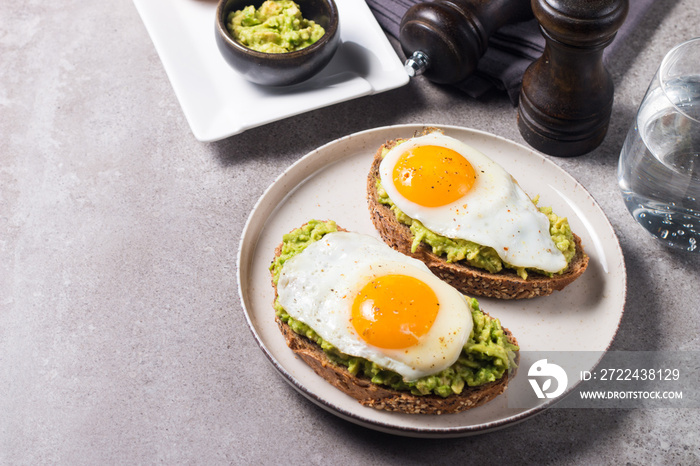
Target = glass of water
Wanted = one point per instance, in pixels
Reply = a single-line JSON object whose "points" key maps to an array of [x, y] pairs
{"points": [[659, 167]]}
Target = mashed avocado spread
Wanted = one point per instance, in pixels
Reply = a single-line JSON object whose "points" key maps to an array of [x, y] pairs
{"points": [[276, 27], [486, 356], [474, 254]]}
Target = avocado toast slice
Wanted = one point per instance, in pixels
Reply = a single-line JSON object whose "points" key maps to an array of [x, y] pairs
{"points": [[487, 362], [504, 283]]}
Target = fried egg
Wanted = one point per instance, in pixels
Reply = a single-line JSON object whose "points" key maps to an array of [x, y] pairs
{"points": [[458, 192], [371, 301]]}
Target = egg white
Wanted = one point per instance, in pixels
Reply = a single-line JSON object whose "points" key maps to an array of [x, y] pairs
{"points": [[496, 212], [318, 286]]}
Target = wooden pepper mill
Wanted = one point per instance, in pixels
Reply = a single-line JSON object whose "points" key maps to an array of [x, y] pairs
{"points": [[445, 39], [567, 94]]}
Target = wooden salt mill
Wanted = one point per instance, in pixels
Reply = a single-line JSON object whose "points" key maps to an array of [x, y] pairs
{"points": [[567, 94], [445, 39]]}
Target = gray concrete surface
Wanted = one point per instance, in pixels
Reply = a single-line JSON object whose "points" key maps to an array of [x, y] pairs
{"points": [[122, 339]]}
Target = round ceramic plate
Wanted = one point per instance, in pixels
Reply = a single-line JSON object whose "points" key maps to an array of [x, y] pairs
{"points": [[330, 183]]}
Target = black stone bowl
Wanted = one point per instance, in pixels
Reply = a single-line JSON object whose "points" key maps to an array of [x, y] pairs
{"points": [[280, 69]]}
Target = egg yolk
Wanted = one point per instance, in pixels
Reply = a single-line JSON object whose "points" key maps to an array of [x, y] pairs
{"points": [[394, 311], [433, 176]]}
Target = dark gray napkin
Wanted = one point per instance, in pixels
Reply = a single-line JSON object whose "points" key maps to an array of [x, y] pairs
{"points": [[511, 49]]}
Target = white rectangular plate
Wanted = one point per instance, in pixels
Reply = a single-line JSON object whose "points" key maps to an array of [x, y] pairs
{"points": [[218, 102]]}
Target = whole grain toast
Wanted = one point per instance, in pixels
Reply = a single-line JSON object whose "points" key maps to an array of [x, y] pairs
{"points": [[473, 281], [384, 398]]}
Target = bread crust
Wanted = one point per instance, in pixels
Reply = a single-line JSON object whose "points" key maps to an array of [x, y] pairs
{"points": [[384, 398], [506, 284]]}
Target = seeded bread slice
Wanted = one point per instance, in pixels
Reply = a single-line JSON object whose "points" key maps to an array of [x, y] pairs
{"points": [[472, 281], [384, 398]]}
